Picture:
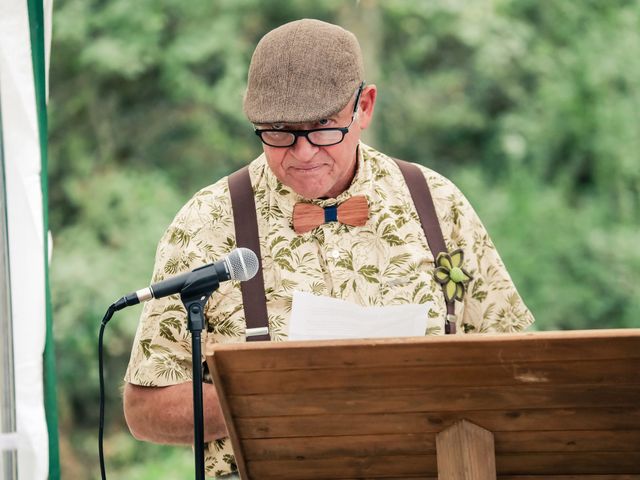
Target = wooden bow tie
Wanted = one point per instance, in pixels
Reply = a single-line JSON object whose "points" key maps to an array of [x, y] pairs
{"points": [[307, 216]]}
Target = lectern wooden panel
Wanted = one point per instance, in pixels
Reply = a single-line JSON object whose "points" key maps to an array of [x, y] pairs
{"points": [[561, 405]]}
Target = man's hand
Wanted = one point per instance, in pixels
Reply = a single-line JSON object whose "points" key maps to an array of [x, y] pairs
{"points": [[165, 414]]}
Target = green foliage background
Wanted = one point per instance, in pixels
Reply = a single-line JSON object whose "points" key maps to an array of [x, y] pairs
{"points": [[532, 108]]}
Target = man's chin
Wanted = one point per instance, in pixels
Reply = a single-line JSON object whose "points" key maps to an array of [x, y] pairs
{"points": [[312, 193], [312, 188]]}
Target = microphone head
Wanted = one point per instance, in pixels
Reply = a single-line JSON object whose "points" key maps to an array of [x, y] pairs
{"points": [[243, 264]]}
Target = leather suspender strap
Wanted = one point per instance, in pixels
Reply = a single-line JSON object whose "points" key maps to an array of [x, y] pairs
{"points": [[423, 201], [254, 299], [246, 225]]}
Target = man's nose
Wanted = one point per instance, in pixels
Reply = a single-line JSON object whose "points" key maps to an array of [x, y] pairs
{"points": [[303, 149]]}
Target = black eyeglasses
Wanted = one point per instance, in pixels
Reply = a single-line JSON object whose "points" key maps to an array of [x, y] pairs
{"points": [[320, 137]]}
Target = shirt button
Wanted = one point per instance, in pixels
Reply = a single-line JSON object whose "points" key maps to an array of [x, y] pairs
{"points": [[335, 254]]}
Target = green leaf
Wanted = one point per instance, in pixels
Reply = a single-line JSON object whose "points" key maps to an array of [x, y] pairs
{"points": [[284, 263], [277, 240], [167, 326], [180, 237], [370, 273], [145, 345], [393, 239], [296, 242]]}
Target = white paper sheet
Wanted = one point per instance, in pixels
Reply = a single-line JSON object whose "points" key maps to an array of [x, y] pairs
{"points": [[323, 318]]}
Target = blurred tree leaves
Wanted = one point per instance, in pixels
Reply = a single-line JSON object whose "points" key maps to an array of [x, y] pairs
{"points": [[532, 108], [552, 86], [102, 256]]}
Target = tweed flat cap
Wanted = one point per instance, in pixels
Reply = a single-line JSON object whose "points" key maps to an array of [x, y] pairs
{"points": [[302, 72]]}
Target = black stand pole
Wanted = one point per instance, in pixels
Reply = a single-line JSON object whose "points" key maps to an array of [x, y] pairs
{"points": [[195, 293], [195, 310], [197, 290]]}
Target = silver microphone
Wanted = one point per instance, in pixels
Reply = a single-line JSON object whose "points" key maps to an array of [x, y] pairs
{"points": [[241, 264]]}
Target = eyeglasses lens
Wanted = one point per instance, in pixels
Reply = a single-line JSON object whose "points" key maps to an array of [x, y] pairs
{"points": [[325, 137], [278, 139]]}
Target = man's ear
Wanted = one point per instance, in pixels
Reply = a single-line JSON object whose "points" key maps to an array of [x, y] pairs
{"points": [[367, 104]]}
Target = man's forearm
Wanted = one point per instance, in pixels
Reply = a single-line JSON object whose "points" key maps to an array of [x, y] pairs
{"points": [[165, 414]]}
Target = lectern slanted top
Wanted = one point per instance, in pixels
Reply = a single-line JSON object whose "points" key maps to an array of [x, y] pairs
{"points": [[562, 405]]}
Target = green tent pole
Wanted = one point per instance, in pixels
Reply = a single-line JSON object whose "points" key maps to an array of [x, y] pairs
{"points": [[36, 28]]}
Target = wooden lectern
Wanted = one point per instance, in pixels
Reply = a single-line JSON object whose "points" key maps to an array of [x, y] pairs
{"points": [[542, 405]]}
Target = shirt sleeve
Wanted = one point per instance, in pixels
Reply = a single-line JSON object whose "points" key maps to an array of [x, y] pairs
{"points": [[201, 233], [491, 302]]}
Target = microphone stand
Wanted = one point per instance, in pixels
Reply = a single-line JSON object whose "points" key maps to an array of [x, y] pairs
{"points": [[197, 290]]}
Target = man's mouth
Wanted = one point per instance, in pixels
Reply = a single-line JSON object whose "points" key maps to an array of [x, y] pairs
{"points": [[308, 169]]}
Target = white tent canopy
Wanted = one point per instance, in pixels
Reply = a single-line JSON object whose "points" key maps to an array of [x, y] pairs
{"points": [[24, 281]]}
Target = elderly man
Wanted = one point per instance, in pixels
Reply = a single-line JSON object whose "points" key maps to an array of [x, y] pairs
{"points": [[309, 103]]}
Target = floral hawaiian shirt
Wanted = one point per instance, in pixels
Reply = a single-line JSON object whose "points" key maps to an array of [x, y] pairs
{"points": [[385, 262]]}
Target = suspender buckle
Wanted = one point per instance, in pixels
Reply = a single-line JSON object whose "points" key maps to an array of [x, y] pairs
{"points": [[450, 324], [254, 332]]}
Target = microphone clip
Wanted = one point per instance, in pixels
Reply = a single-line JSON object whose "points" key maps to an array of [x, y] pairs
{"points": [[201, 283], [199, 286]]}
